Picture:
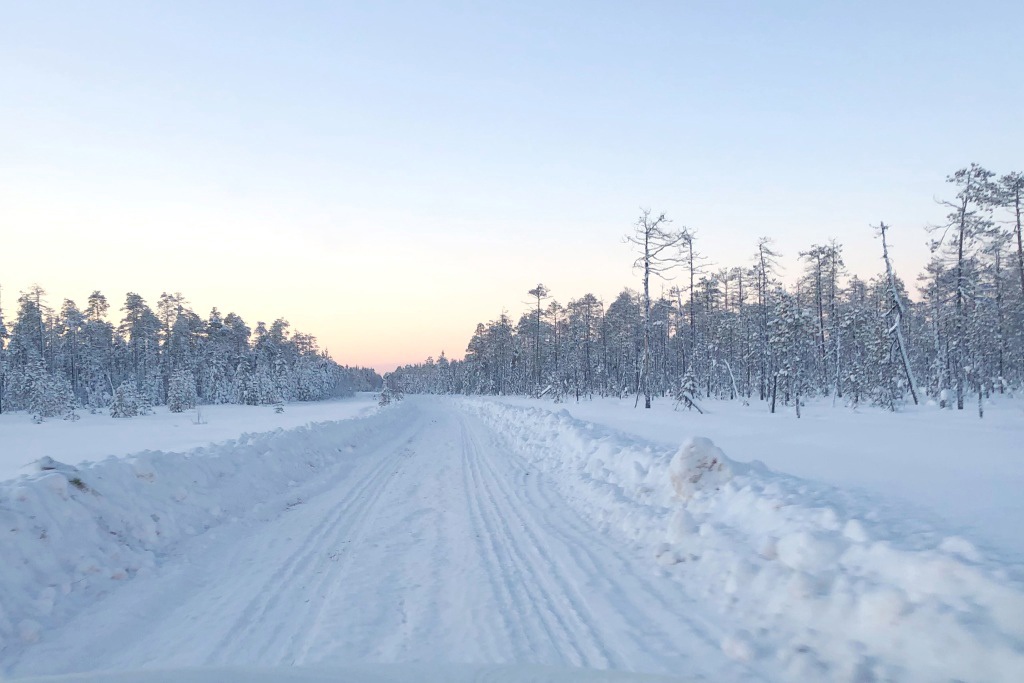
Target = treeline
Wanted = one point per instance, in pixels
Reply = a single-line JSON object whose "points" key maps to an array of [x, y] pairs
{"points": [[52, 362], [739, 333]]}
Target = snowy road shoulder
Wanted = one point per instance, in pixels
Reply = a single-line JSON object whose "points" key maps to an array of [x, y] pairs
{"points": [[70, 531]]}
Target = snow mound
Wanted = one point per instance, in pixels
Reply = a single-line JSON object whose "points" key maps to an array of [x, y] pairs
{"points": [[812, 582], [698, 465]]}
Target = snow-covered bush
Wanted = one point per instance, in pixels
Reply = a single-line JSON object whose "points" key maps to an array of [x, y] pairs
{"points": [[686, 392]]}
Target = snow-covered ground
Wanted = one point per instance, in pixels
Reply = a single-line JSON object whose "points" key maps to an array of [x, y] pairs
{"points": [[966, 471], [97, 436], [446, 531]]}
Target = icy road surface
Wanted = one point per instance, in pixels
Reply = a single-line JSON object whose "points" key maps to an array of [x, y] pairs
{"points": [[439, 545]]}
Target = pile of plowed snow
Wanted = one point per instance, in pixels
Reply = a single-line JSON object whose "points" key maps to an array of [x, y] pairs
{"points": [[830, 585], [67, 532]]}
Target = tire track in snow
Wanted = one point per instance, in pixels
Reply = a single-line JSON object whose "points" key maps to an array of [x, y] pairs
{"points": [[487, 545], [648, 618], [342, 526], [353, 521], [573, 529], [556, 605], [655, 620]]}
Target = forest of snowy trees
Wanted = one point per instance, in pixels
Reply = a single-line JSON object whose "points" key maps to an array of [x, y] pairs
{"points": [[52, 362], [739, 333]]}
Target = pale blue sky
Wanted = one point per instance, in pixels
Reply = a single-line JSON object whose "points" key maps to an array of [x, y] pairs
{"points": [[386, 174]]}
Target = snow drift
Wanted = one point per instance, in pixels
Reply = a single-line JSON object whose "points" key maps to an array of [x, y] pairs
{"points": [[819, 584]]}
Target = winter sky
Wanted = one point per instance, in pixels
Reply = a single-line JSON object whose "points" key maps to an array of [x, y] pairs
{"points": [[386, 175]]}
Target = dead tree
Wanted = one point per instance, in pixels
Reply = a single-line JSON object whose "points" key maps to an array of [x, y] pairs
{"points": [[658, 249], [896, 314]]}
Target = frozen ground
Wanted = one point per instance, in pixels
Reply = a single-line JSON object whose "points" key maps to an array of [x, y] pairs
{"points": [[467, 531]]}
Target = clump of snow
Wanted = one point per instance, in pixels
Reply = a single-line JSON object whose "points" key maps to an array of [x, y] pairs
{"points": [[818, 583], [681, 526], [696, 466], [962, 547], [46, 463]]}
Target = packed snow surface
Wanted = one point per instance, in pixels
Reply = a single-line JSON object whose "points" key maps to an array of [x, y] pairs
{"points": [[480, 532], [373, 673]]}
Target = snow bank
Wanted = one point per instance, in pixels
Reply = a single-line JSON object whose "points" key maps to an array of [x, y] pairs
{"points": [[67, 532], [817, 583]]}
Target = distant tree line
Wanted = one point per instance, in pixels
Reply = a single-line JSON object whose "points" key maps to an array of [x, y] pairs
{"points": [[739, 333], [52, 362]]}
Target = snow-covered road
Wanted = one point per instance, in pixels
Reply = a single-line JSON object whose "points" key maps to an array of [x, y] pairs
{"points": [[438, 544], [448, 531]]}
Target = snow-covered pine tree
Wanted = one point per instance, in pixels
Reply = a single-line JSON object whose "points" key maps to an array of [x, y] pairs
{"points": [[764, 271], [140, 329], [97, 354], [686, 391], [46, 394], [793, 339], [824, 264], [968, 225], [1010, 196], [181, 392], [623, 344]]}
